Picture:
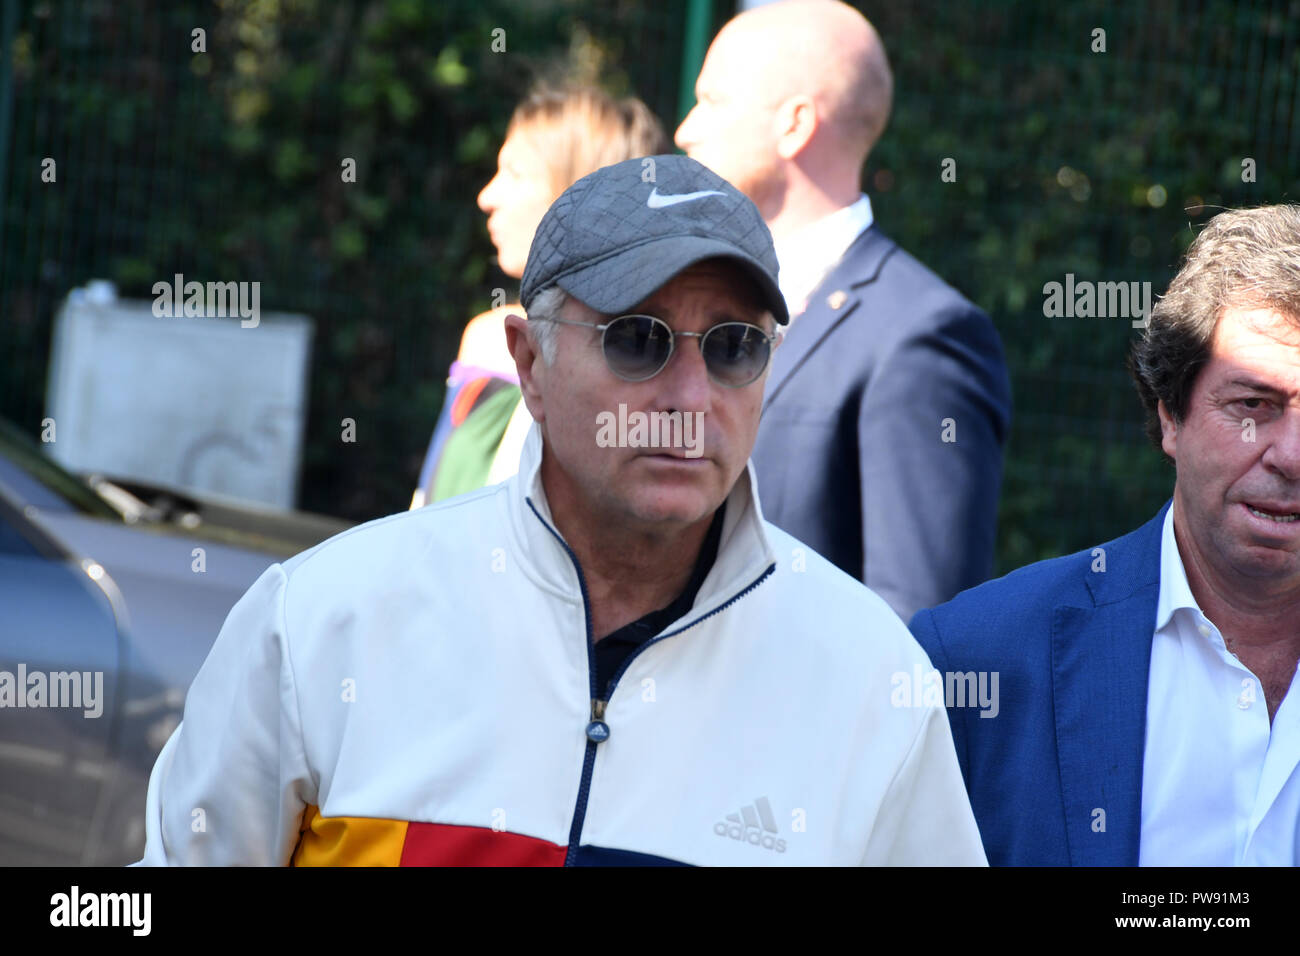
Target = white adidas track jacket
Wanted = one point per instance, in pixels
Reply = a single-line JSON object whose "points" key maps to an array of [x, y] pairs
{"points": [[419, 690]]}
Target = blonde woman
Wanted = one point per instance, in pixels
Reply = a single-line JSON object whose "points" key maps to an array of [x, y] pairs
{"points": [[554, 138]]}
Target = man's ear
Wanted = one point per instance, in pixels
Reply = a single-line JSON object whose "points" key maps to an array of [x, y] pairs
{"points": [[795, 122], [528, 363], [1168, 431]]}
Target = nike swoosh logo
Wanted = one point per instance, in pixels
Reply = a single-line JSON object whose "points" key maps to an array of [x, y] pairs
{"points": [[657, 200]]}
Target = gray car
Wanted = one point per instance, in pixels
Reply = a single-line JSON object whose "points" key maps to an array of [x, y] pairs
{"points": [[111, 595]]}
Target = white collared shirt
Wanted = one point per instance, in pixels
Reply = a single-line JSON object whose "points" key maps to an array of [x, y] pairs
{"points": [[1220, 787], [808, 255]]}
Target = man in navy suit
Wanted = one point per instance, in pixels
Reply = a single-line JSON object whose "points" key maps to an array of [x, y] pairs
{"points": [[1148, 709], [888, 403]]}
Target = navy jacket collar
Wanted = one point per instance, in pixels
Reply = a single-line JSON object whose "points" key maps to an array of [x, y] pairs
{"points": [[1101, 659], [833, 301]]}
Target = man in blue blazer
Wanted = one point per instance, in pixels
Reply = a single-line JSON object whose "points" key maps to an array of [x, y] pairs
{"points": [[1149, 711], [888, 403]]}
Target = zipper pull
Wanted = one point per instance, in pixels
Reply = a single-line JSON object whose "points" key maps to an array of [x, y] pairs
{"points": [[597, 729]]}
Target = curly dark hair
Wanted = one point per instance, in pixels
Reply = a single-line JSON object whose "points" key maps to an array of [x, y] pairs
{"points": [[1243, 257]]}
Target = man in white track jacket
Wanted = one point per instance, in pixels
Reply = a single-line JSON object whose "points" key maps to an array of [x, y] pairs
{"points": [[608, 659]]}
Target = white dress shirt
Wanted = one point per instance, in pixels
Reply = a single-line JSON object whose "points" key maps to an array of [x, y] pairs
{"points": [[807, 255], [1220, 787]]}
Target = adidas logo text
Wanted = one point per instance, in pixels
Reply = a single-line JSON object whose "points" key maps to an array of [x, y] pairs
{"points": [[755, 825]]}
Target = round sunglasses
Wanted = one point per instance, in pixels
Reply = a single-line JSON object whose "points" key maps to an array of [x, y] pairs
{"points": [[637, 347]]}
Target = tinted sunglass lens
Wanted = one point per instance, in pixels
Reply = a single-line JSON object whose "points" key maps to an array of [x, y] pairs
{"points": [[637, 346], [736, 353]]}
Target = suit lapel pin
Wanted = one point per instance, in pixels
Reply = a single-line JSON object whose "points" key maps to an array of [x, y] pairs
{"points": [[836, 298]]}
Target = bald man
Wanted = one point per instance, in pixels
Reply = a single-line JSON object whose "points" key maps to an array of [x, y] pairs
{"points": [[888, 404]]}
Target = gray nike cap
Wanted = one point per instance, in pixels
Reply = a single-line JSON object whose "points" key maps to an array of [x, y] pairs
{"points": [[617, 235]]}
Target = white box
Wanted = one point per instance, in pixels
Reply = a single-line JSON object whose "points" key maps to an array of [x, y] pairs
{"points": [[201, 404]]}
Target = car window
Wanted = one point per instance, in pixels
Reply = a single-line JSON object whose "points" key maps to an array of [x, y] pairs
{"points": [[36, 480]]}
